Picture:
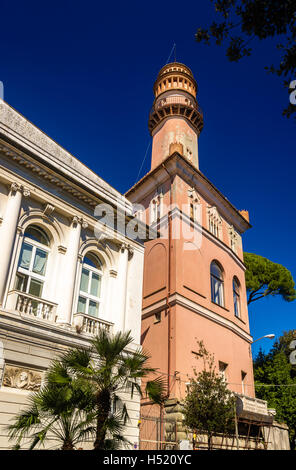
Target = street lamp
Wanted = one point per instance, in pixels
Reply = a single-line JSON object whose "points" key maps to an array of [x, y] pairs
{"points": [[271, 336]]}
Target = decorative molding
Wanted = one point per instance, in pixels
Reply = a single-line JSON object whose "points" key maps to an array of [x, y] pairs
{"points": [[18, 187], [48, 176], [62, 249], [113, 273], [15, 187], [79, 220], [48, 209], [193, 195], [233, 237], [126, 246], [26, 192], [21, 378]]}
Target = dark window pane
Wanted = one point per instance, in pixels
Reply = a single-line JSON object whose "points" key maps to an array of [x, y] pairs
{"points": [[40, 262], [37, 234], [92, 260], [216, 271], [93, 308], [36, 287], [81, 305], [95, 287], [21, 282], [25, 256], [84, 280]]}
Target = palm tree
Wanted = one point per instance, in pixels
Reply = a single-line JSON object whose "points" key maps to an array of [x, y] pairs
{"points": [[59, 411], [111, 370]]}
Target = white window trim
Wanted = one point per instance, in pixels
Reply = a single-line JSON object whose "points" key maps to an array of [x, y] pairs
{"points": [[29, 272], [236, 292], [214, 222], [87, 296], [194, 200], [233, 238]]}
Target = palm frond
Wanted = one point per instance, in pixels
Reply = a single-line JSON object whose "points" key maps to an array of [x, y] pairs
{"points": [[156, 390]]}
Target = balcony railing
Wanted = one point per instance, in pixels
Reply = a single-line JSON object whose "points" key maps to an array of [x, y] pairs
{"points": [[175, 105], [91, 325], [174, 100], [27, 304]]}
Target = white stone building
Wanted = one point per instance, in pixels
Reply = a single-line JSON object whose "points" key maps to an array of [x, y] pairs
{"points": [[63, 273]]}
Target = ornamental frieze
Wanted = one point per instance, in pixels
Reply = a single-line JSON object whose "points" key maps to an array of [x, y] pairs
{"points": [[24, 379]]}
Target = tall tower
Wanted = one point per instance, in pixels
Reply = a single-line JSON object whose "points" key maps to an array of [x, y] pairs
{"points": [[194, 288], [175, 120]]}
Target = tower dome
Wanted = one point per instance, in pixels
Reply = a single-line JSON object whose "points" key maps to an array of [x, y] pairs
{"points": [[175, 95]]}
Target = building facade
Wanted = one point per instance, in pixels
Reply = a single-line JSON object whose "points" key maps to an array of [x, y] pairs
{"points": [[64, 273], [194, 274]]}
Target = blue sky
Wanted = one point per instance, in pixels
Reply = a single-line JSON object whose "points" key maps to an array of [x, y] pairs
{"points": [[83, 72]]}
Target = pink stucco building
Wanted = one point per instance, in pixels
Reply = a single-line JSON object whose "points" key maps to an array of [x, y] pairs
{"points": [[194, 275]]}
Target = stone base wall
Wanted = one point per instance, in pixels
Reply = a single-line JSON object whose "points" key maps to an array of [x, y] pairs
{"points": [[276, 436], [27, 350]]}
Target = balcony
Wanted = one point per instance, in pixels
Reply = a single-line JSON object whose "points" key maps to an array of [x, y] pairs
{"points": [[176, 106], [179, 100], [32, 306], [90, 325], [253, 409]]}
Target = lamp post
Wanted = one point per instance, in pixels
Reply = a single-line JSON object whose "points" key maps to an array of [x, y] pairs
{"points": [[271, 336]]}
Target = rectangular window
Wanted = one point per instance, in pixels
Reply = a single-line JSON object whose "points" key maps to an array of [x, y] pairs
{"points": [[25, 257], [244, 378], [217, 291], [40, 260], [236, 304], [36, 287], [95, 287], [81, 305], [31, 269], [84, 280], [222, 370], [93, 308]]}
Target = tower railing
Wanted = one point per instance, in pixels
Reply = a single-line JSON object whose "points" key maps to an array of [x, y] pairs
{"points": [[175, 105]]}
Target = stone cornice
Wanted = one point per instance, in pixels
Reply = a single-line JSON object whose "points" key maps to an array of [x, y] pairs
{"points": [[177, 213], [39, 330], [178, 165], [47, 174], [25, 136], [52, 200], [178, 299]]}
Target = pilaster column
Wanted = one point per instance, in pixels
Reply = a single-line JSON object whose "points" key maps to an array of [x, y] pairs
{"points": [[68, 272], [8, 231], [2, 362], [121, 287]]}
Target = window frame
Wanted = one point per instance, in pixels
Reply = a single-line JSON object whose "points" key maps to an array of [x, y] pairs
{"points": [[87, 295], [29, 273], [216, 279], [236, 295]]}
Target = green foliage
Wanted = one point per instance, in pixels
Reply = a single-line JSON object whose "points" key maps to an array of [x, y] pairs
{"points": [[274, 369], [59, 411], [110, 370], [242, 21], [263, 278], [209, 405], [81, 398]]}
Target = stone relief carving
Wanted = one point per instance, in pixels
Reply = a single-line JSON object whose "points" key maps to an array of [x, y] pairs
{"points": [[24, 379]]}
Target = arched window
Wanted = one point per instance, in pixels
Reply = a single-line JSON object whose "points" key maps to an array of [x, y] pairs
{"points": [[217, 290], [32, 263], [236, 297], [90, 286]]}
